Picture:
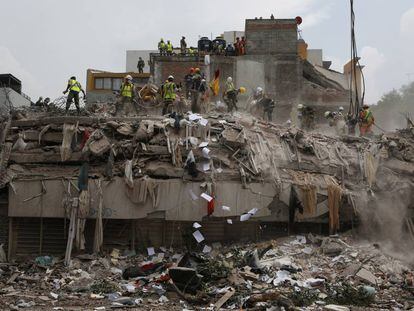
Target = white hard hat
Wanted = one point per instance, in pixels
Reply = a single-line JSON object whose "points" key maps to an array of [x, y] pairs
{"points": [[341, 108], [289, 121], [327, 113], [300, 106], [229, 79], [128, 77], [170, 77], [259, 89]]}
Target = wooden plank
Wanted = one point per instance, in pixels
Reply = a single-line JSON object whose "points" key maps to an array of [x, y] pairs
{"points": [[224, 299]]}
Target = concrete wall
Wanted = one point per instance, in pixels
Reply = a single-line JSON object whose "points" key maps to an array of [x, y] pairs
{"points": [[178, 66], [132, 57], [267, 36], [16, 99], [315, 57], [230, 36]]}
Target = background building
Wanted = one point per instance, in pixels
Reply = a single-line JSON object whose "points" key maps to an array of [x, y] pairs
{"points": [[11, 93]]}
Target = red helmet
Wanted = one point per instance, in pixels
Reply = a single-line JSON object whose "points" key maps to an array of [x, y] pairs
{"points": [[191, 69]]}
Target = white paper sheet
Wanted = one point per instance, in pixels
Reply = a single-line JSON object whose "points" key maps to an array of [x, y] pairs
{"points": [[229, 221], [206, 249], [198, 236], [203, 122], [206, 197], [226, 208], [205, 151], [193, 196], [194, 116], [196, 225], [253, 211], [203, 144], [219, 170], [206, 166], [150, 251], [245, 217]]}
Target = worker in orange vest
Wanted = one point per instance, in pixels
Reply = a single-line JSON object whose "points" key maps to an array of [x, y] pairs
{"points": [[366, 120]]}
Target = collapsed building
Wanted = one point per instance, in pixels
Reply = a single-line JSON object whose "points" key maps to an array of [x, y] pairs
{"points": [[142, 181]]}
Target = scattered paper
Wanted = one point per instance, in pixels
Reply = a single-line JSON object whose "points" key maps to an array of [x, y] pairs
{"points": [[222, 121], [245, 217], [205, 151], [226, 208], [196, 225], [203, 122], [253, 211], [206, 197], [203, 144], [198, 236], [206, 249], [150, 251], [206, 166], [194, 116], [194, 197], [219, 170], [229, 221]]}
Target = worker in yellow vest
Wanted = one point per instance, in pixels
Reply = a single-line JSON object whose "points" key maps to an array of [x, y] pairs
{"points": [[162, 47], [168, 93], [127, 95], [169, 48], [73, 87]]}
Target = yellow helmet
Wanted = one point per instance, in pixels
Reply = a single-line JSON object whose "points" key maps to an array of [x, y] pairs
{"points": [[242, 90]]}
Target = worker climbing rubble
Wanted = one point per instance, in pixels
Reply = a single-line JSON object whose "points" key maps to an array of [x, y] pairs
{"points": [[169, 90], [365, 121], [195, 90], [264, 104], [337, 120], [306, 116], [230, 94], [125, 103], [73, 87]]}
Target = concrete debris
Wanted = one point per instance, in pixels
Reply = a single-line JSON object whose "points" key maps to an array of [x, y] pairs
{"points": [[272, 275]]}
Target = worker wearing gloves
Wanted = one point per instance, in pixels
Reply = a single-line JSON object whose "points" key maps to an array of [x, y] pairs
{"points": [[230, 95], [169, 94], [366, 120], [73, 87], [126, 98], [265, 104]]}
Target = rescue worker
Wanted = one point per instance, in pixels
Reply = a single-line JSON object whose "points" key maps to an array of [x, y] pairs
{"points": [[230, 95], [127, 94], [306, 117], [39, 102], [195, 90], [191, 51], [141, 65], [162, 47], [188, 82], [265, 103], [169, 48], [337, 120], [237, 47], [229, 51], [183, 46], [169, 94], [366, 120], [73, 87]]}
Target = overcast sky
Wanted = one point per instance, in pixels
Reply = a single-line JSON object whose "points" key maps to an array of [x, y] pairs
{"points": [[44, 42]]}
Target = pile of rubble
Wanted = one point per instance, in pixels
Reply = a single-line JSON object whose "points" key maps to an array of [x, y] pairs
{"points": [[302, 272]]}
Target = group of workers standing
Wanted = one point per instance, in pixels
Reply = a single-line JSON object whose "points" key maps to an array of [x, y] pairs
{"points": [[196, 89], [167, 48]]}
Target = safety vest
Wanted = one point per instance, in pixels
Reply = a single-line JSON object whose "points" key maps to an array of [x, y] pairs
{"points": [[74, 85], [161, 45], [190, 51], [229, 87], [169, 47], [127, 89], [169, 93]]}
